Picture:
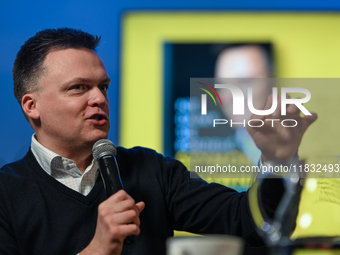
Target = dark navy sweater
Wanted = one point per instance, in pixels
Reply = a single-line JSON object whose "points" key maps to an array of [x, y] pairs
{"points": [[39, 215]]}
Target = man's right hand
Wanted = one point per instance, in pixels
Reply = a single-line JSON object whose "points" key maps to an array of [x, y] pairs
{"points": [[118, 217]]}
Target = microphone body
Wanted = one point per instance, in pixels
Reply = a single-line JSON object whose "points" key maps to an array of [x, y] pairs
{"points": [[110, 174], [105, 153]]}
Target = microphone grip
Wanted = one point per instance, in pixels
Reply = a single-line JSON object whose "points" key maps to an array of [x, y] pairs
{"points": [[112, 182], [110, 174]]}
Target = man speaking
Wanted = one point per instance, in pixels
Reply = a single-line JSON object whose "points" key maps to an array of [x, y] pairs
{"points": [[53, 200]]}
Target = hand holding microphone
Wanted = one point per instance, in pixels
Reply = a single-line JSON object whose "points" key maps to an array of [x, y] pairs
{"points": [[118, 216]]}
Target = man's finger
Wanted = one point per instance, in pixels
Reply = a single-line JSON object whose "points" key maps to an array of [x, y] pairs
{"points": [[292, 110], [269, 102], [140, 206], [277, 113], [307, 120]]}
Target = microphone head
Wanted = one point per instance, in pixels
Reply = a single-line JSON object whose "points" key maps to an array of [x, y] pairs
{"points": [[103, 147]]}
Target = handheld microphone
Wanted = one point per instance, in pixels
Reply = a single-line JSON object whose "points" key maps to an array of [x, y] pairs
{"points": [[105, 153]]}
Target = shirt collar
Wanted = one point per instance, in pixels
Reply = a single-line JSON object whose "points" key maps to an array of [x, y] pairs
{"points": [[52, 163]]}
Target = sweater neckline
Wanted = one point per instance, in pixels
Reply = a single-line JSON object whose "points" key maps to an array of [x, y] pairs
{"points": [[88, 199]]}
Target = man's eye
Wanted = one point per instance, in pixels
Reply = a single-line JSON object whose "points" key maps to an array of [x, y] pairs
{"points": [[78, 87], [104, 87]]}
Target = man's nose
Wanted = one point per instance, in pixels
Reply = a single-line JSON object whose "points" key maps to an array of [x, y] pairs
{"points": [[97, 98]]}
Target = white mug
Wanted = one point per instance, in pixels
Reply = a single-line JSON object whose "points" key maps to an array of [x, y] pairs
{"points": [[205, 245]]}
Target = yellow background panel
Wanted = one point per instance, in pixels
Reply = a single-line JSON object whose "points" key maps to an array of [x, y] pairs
{"points": [[305, 46]]}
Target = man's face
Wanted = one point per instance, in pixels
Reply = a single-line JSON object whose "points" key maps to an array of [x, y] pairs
{"points": [[72, 101], [244, 62]]}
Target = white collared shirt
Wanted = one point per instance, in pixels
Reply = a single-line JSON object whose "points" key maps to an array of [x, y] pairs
{"points": [[65, 170]]}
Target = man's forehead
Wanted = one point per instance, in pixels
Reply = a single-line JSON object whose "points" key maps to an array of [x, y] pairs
{"points": [[65, 55], [72, 58], [69, 64]]}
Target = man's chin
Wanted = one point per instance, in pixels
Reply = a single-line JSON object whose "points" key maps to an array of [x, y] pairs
{"points": [[104, 136], [99, 136]]}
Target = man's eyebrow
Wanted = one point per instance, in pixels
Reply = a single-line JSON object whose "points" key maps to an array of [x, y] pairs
{"points": [[107, 79], [81, 79]]}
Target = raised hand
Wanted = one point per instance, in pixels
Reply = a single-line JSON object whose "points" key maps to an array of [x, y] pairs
{"points": [[279, 143]]}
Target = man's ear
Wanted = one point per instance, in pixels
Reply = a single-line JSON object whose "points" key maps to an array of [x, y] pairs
{"points": [[29, 106]]}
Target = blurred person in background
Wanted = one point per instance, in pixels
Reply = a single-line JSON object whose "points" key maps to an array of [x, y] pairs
{"points": [[243, 63]]}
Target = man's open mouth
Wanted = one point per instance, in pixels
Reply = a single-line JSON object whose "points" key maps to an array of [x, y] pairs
{"points": [[97, 117]]}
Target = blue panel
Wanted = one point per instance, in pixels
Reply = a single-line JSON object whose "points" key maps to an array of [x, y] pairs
{"points": [[21, 19]]}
